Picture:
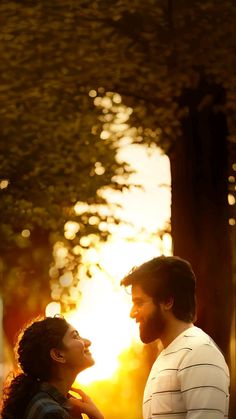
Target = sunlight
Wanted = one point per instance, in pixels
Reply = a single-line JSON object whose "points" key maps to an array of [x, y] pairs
{"points": [[52, 309], [103, 317], [103, 311], [119, 256], [102, 306]]}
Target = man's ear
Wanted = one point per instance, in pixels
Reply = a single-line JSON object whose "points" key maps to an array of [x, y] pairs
{"points": [[57, 355], [168, 304]]}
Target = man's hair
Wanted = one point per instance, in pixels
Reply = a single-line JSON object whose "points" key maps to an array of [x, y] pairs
{"points": [[167, 277]]}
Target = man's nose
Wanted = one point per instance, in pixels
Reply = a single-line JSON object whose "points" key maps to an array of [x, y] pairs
{"points": [[133, 313]]}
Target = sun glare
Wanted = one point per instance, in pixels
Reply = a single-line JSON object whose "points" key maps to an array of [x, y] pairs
{"points": [[103, 318], [102, 314], [102, 306]]}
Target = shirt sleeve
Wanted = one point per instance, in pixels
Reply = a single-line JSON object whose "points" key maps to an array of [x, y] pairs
{"points": [[204, 380]]}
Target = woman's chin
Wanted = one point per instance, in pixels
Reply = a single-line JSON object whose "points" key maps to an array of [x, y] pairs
{"points": [[89, 361]]}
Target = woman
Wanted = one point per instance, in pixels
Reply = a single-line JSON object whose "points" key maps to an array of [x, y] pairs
{"points": [[50, 354]]}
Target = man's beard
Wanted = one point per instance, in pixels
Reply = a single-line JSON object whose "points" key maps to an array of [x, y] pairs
{"points": [[153, 327]]}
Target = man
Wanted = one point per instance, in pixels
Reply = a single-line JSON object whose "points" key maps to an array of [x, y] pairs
{"points": [[190, 378]]}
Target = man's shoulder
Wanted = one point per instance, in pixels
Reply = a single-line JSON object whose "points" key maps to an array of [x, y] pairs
{"points": [[187, 341], [195, 338], [203, 351], [192, 346]]}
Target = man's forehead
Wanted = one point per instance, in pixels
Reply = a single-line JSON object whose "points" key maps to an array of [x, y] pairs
{"points": [[138, 292]]}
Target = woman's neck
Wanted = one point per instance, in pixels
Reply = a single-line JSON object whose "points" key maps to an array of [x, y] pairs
{"points": [[63, 381]]}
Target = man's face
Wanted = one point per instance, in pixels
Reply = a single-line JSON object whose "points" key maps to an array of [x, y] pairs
{"points": [[77, 354], [151, 318]]}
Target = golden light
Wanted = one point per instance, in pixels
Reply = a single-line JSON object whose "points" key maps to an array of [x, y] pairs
{"points": [[118, 127], [105, 135], [118, 256], [117, 98], [99, 169], [92, 93], [60, 250], [103, 317], [76, 250], [56, 292], [81, 207], [71, 228], [85, 241], [25, 233], [53, 272], [4, 183], [66, 279], [52, 309], [91, 256], [167, 244], [103, 226], [106, 102], [60, 253], [231, 199], [93, 220], [103, 312]]}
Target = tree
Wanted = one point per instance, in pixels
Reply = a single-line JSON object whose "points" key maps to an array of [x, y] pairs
{"points": [[51, 157], [174, 63]]}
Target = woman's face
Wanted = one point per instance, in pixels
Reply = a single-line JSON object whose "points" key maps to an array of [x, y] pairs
{"points": [[76, 350]]}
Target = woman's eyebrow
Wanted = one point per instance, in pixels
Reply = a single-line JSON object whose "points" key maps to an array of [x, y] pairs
{"points": [[74, 332]]}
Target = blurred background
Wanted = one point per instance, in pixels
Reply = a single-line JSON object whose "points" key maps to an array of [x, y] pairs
{"points": [[117, 144]]}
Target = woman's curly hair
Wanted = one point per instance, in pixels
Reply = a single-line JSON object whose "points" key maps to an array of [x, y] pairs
{"points": [[34, 363]]}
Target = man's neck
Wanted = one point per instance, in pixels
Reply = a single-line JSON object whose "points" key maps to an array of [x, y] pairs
{"points": [[174, 328]]}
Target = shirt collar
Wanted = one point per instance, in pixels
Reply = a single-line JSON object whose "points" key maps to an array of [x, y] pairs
{"points": [[192, 331], [55, 394]]}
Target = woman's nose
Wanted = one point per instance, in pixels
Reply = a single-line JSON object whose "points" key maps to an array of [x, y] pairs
{"points": [[87, 343]]}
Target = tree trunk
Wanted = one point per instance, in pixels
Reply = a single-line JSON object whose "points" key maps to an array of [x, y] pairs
{"points": [[200, 228]]}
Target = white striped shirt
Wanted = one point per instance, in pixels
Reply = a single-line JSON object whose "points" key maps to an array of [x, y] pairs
{"points": [[189, 379]]}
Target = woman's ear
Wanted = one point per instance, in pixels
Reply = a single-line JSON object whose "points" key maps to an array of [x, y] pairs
{"points": [[57, 355]]}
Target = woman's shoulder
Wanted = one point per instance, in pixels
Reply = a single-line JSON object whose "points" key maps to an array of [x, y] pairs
{"points": [[42, 406]]}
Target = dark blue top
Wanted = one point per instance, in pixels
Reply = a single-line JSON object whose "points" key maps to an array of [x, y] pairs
{"points": [[49, 403]]}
